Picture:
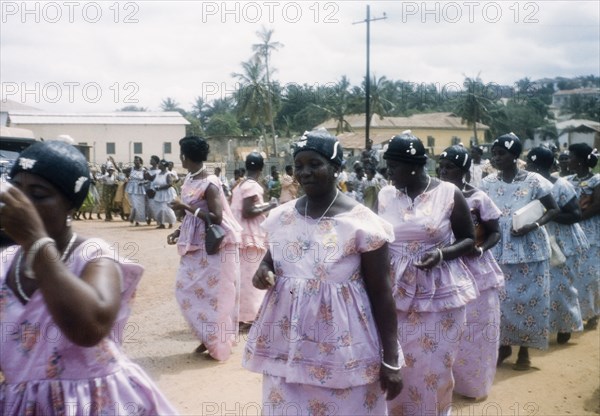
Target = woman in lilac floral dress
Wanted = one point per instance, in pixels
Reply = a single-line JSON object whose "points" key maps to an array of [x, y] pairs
{"points": [[325, 337], [523, 254], [565, 312], [582, 158], [432, 285], [475, 366], [64, 300], [207, 286]]}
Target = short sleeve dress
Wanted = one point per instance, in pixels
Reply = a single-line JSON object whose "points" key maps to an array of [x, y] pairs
{"points": [[524, 260], [45, 373], [315, 338], [588, 285]]}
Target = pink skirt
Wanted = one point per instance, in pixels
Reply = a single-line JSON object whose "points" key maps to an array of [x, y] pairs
{"points": [[282, 398], [430, 343], [207, 291], [475, 366]]}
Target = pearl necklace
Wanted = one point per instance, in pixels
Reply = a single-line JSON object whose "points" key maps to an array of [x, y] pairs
{"points": [[307, 243], [18, 267], [191, 174]]}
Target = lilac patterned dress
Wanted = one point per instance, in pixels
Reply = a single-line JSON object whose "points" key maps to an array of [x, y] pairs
{"points": [[525, 298], [252, 248], [46, 374], [588, 285], [315, 339], [207, 286], [475, 366], [430, 304], [565, 312]]}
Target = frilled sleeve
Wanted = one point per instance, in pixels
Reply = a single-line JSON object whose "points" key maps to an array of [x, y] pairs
{"points": [[372, 232]]}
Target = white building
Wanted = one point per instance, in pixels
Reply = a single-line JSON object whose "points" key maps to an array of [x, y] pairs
{"points": [[578, 131], [122, 134]]}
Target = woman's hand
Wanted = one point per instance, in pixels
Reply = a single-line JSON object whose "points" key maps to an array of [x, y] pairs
{"points": [[391, 382], [429, 260], [173, 237], [264, 277], [177, 205], [19, 218]]}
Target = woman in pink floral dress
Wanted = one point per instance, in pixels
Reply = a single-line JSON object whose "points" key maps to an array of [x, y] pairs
{"points": [[432, 285], [249, 208], [325, 337], [64, 300], [475, 365], [207, 286]]}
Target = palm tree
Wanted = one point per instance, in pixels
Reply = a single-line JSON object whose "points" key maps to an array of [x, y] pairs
{"points": [[473, 105], [252, 96], [263, 50], [380, 94], [338, 103], [199, 109], [169, 104]]}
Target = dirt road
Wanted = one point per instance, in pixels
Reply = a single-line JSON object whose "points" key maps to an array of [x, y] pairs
{"points": [[565, 379]]}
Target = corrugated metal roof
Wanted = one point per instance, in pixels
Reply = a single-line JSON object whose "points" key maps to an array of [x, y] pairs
{"points": [[16, 132], [7, 106], [574, 124], [416, 121], [584, 91], [119, 117]]}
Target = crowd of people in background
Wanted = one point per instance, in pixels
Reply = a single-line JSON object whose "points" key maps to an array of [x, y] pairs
{"points": [[303, 251]]}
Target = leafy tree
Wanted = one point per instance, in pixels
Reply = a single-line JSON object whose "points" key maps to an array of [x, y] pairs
{"points": [[220, 106], [587, 107], [523, 118], [199, 110], [297, 112], [224, 124], [194, 128]]}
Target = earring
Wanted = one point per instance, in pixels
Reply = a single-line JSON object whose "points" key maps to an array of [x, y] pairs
{"points": [[514, 160], [69, 221], [182, 157], [335, 175], [413, 172]]}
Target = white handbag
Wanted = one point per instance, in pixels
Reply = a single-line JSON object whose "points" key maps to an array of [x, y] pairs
{"points": [[528, 214], [557, 258]]}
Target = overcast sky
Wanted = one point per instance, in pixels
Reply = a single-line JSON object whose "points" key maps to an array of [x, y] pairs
{"points": [[101, 56]]}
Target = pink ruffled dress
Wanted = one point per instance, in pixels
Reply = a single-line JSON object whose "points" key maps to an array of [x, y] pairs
{"points": [[46, 374]]}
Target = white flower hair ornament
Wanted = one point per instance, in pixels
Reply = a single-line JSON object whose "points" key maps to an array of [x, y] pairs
{"points": [[26, 163], [79, 183]]}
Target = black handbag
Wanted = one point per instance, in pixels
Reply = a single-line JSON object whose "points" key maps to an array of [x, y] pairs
{"points": [[214, 236]]}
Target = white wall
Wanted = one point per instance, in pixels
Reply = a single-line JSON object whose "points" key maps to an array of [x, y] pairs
{"points": [[576, 137], [97, 136]]}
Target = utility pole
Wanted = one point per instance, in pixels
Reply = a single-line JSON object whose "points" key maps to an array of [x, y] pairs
{"points": [[368, 21]]}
